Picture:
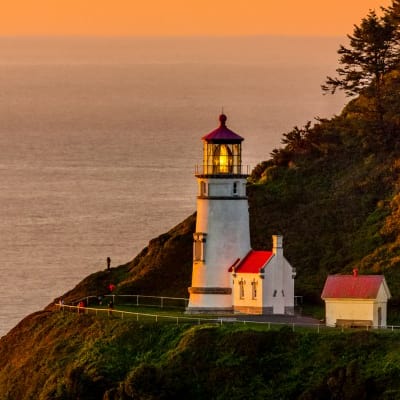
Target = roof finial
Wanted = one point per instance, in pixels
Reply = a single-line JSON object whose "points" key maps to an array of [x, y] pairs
{"points": [[222, 119]]}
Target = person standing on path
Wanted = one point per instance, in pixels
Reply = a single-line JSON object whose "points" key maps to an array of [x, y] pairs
{"points": [[108, 263], [110, 307]]}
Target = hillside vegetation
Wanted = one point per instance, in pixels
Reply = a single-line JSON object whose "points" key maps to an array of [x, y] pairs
{"points": [[333, 191], [66, 356]]}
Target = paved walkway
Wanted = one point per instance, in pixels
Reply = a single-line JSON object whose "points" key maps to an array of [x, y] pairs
{"points": [[280, 319]]}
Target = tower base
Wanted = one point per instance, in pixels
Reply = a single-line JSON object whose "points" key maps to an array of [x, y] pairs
{"points": [[210, 300]]}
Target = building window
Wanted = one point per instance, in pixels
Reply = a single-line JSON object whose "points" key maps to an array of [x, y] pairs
{"points": [[197, 250], [254, 290], [241, 289], [235, 188], [203, 188], [198, 246]]}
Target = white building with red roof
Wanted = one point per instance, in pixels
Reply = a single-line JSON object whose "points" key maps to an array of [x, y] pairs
{"points": [[227, 274], [356, 300], [263, 282]]}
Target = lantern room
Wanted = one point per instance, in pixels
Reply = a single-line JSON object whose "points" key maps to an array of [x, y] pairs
{"points": [[222, 151]]}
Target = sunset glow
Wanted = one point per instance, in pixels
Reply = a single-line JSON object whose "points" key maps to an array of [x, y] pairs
{"points": [[182, 17]]}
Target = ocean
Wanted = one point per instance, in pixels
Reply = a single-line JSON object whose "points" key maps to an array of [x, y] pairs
{"points": [[99, 138]]}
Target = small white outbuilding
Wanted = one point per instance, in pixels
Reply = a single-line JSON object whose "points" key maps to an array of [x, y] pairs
{"points": [[263, 282], [356, 300]]}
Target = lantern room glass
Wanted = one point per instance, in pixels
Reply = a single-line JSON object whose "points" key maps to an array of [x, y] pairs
{"points": [[222, 158]]}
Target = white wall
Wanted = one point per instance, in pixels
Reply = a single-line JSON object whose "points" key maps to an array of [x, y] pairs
{"points": [[247, 302], [279, 284], [352, 309]]}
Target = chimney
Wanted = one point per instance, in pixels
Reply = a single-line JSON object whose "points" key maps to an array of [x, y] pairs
{"points": [[277, 244], [355, 272]]}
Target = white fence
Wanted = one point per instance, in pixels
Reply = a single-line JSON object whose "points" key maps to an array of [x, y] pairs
{"points": [[178, 319], [136, 300], [181, 303]]}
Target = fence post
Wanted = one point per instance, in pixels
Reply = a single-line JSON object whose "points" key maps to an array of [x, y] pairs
{"points": [[177, 320], [162, 302], [137, 300]]}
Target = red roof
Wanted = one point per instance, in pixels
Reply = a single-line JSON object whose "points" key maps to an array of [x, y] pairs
{"points": [[352, 287], [253, 262], [222, 134]]}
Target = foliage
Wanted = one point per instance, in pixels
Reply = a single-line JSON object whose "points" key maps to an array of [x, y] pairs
{"points": [[114, 359], [373, 52]]}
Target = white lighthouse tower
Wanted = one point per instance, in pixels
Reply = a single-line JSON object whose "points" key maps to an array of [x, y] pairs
{"points": [[222, 227]]}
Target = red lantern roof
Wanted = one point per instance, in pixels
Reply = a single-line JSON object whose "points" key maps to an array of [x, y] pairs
{"points": [[353, 286], [222, 134], [253, 262]]}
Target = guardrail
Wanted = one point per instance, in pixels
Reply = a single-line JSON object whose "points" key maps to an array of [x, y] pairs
{"points": [[219, 320], [210, 169]]}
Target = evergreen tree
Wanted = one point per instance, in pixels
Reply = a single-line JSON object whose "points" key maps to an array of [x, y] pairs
{"points": [[372, 53]]}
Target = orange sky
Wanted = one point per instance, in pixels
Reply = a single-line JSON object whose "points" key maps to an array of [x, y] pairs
{"points": [[183, 17]]}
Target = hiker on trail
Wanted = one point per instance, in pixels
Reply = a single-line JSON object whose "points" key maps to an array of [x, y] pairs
{"points": [[81, 305], [110, 307], [108, 263], [111, 287]]}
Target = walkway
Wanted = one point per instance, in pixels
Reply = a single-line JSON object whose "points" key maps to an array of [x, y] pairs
{"points": [[280, 319]]}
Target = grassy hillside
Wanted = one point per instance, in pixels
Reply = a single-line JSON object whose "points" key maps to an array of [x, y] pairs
{"points": [[62, 356]]}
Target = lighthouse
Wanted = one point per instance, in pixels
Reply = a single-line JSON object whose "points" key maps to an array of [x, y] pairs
{"points": [[222, 235]]}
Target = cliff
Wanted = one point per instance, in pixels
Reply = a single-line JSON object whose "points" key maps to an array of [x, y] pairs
{"points": [[332, 191]]}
